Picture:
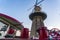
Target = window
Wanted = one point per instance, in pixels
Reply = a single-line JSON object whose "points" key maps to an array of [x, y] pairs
{"points": [[3, 29], [3, 26], [18, 33]]}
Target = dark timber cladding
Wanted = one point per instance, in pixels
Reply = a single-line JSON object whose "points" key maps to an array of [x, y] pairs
{"points": [[42, 14]]}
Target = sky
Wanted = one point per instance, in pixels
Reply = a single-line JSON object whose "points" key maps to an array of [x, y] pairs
{"points": [[18, 9]]}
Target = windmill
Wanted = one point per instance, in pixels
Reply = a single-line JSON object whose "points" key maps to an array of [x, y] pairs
{"points": [[37, 17]]}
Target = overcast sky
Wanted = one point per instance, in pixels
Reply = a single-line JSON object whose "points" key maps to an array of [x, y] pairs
{"points": [[18, 9]]}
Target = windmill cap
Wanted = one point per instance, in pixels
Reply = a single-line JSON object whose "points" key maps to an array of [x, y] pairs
{"points": [[37, 9]]}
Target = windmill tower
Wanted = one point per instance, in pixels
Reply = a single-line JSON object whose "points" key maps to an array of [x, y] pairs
{"points": [[37, 18]]}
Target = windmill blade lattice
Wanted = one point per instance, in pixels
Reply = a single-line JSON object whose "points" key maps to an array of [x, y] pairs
{"points": [[36, 3]]}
